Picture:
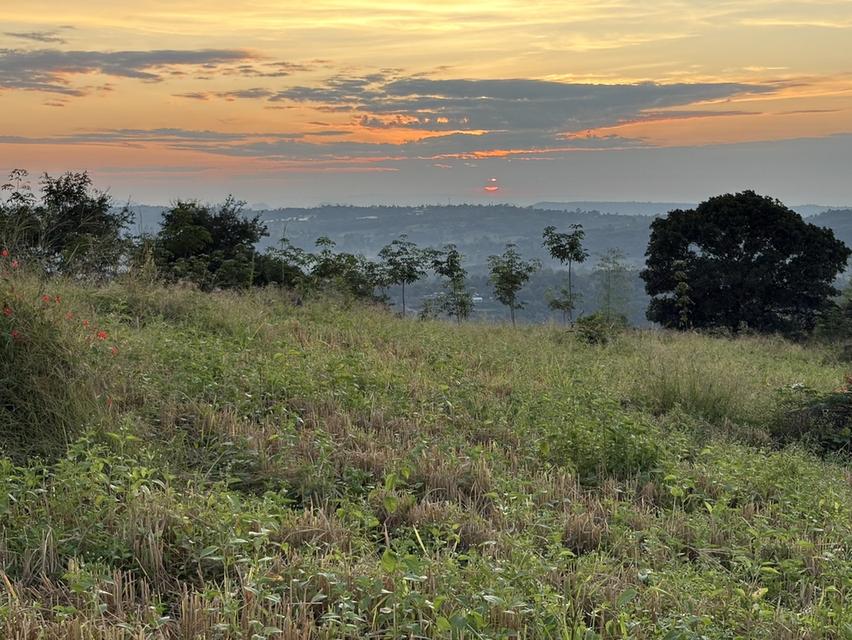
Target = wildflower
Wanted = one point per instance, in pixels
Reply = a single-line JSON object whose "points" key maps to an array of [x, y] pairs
{"points": [[114, 350], [69, 315], [45, 299], [85, 324], [7, 312], [15, 264], [57, 299], [102, 335], [16, 335], [4, 253]]}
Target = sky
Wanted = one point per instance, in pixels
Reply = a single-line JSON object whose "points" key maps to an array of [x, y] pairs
{"points": [[365, 101]]}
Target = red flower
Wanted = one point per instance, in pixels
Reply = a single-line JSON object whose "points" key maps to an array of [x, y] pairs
{"points": [[16, 335], [15, 264], [102, 335], [7, 311], [45, 298], [4, 253], [85, 324]]}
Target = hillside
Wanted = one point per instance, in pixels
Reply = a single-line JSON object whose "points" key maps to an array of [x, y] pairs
{"points": [[241, 467]]}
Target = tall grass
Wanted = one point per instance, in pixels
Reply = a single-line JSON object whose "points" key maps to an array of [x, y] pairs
{"points": [[265, 470]]}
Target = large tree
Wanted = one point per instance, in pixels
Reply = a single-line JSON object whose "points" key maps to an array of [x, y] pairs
{"points": [[748, 261]]}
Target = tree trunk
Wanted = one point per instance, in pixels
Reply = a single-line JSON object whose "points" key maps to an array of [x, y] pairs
{"points": [[403, 298], [512, 314], [570, 296]]}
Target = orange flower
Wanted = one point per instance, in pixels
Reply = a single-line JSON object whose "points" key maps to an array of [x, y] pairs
{"points": [[102, 335]]}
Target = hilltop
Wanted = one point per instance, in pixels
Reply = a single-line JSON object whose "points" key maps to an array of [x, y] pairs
{"points": [[248, 466]]}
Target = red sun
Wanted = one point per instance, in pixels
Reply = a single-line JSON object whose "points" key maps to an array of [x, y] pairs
{"points": [[492, 186]]}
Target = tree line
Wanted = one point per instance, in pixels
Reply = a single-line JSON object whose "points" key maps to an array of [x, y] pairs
{"points": [[737, 261]]}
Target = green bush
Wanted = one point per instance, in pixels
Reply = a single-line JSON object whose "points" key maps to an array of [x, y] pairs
{"points": [[599, 328], [820, 420], [48, 385]]}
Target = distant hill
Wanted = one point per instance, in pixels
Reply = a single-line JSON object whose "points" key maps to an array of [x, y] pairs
{"points": [[478, 230], [622, 208], [838, 220], [656, 208]]}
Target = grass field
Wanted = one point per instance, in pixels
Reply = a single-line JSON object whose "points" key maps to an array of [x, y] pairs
{"points": [[240, 467]]}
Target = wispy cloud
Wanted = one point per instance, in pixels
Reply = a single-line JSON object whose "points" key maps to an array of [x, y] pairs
{"points": [[50, 37], [49, 70]]}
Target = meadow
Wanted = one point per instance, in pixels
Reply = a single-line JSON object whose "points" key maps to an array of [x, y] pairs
{"points": [[179, 464]]}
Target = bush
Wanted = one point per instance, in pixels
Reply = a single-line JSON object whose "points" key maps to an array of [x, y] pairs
{"points": [[599, 328], [48, 393], [820, 420]]}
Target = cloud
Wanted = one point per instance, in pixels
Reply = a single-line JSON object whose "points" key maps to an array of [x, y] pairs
{"points": [[311, 146], [388, 100], [48, 70], [36, 36], [168, 136]]}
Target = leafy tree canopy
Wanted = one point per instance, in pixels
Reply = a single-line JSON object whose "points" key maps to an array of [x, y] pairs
{"points": [[211, 246], [748, 261], [456, 300], [509, 273], [71, 229]]}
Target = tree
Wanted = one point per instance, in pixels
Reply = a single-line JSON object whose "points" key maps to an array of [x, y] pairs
{"points": [[404, 263], [748, 260], [509, 273], [346, 272], [568, 249], [211, 247], [611, 275], [72, 229], [456, 300]]}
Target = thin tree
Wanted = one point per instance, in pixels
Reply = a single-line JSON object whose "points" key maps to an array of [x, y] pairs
{"points": [[611, 274], [567, 248], [456, 300], [404, 263], [509, 273]]}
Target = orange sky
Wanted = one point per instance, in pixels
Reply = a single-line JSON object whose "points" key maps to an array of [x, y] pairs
{"points": [[210, 95]]}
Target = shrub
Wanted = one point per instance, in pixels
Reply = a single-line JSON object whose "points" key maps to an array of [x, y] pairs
{"points": [[599, 328], [821, 420], [48, 392]]}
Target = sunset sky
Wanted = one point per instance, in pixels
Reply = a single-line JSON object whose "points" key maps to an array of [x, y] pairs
{"points": [[286, 102]]}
